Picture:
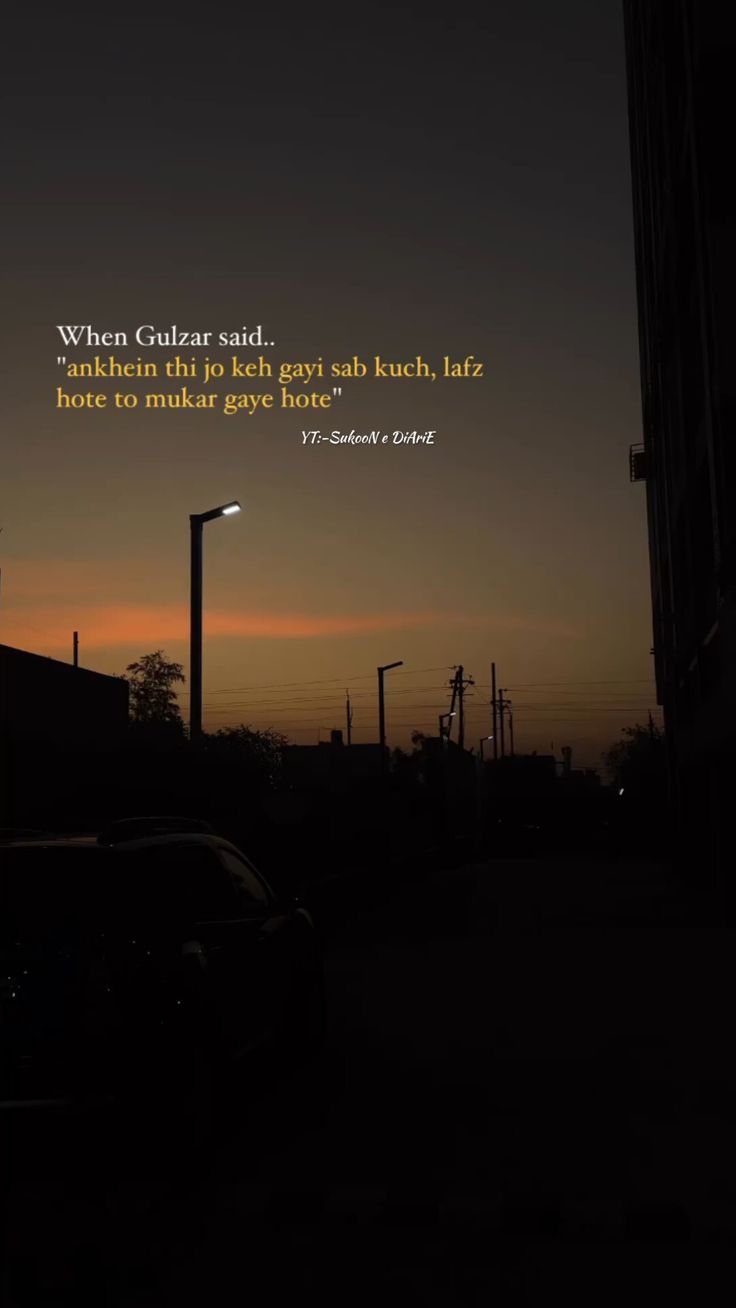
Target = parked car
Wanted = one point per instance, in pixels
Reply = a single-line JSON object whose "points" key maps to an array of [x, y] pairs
{"points": [[135, 962]]}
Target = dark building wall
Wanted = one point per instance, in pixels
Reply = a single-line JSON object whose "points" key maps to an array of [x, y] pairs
{"points": [[332, 763], [680, 66], [58, 724]]}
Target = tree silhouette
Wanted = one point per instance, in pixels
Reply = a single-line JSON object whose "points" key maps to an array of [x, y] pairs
{"points": [[637, 765], [153, 701], [258, 752]]}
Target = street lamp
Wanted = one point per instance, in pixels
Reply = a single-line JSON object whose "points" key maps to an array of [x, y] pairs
{"points": [[443, 734], [382, 710], [196, 523], [483, 740]]}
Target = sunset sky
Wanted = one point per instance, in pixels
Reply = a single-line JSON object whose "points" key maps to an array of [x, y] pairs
{"points": [[394, 185]]}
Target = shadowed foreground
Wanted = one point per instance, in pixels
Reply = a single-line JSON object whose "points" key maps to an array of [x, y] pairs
{"points": [[527, 1085]]}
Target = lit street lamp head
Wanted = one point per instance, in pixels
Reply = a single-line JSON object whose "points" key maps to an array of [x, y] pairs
{"points": [[222, 511]]}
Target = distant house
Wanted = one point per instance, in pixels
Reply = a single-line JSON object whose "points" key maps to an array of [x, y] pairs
{"points": [[54, 719], [332, 763]]}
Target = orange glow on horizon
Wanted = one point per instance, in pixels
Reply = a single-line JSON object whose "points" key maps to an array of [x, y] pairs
{"points": [[49, 627]]}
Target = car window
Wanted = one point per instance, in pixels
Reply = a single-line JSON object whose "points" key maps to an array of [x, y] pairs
{"points": [[54, 891], [249, 888], [180, 881]]}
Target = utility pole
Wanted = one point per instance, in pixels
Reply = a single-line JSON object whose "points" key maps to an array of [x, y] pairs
{"points": [[500, 722], [75, 649], [451, 714], [494, 723], [349, 715], [459, 685], [511, 732]]}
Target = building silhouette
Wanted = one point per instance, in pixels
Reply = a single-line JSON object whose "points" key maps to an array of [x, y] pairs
{"points": [[680, 68], [59, 727], [332, 763]]}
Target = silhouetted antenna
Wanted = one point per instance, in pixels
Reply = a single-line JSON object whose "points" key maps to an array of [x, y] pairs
{"points": [[349, 717]]}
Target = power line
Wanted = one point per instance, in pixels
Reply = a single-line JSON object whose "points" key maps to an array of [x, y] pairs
{"points": [[568, 697], [572, 709], [621, 681], [322, 696], [572, 713], [323, 681]]}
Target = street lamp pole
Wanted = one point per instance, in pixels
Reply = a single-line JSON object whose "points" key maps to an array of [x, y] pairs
{"points": [[494, 712], [443, 731], [382, 711], [195, 630], [196, 525], [481, 795], [483, 740]]}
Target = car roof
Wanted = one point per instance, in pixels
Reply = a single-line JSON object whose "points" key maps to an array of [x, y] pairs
{"points": [[142, 843], [50, 842], [172, 838], [92, 842]]}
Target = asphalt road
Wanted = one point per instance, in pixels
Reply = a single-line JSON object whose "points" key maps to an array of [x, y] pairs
{"points": [[526, 1092]]}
